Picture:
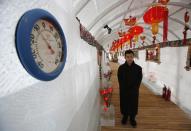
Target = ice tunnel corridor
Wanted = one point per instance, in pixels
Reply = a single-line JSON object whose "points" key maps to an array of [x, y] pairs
{"points": [[88, 65], [155, 113]]}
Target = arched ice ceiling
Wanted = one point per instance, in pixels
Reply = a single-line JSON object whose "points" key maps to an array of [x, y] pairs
{"points": [[94, 14]]}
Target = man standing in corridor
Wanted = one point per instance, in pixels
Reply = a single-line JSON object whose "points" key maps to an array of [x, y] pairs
{"points": [[129, 78]]}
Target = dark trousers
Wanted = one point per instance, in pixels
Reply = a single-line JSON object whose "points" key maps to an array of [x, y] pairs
{"points": [[132, 117]]}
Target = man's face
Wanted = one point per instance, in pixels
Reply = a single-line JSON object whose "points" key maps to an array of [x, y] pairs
{"points": [[129, 58]]}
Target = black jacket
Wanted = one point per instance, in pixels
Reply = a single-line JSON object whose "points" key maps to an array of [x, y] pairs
{"points": [[129, 78]]}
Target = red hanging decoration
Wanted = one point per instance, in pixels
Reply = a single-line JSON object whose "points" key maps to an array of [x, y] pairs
{"points": [[106, 104], [128, 36], [165, 26], [124, 39], [106, 94], [106, 98], [131, 21], [186, 19], [136, 30], [154, 16], [164, 2]]}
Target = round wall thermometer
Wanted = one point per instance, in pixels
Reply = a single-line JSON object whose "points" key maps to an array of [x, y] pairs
{"points": [[40, 44]]}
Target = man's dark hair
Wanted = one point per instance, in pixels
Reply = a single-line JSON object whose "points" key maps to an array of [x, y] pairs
{"points": [[129, 52]]}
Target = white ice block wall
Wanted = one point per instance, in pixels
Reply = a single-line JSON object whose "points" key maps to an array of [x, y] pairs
{"points": [[68, 103], [170, 72]]}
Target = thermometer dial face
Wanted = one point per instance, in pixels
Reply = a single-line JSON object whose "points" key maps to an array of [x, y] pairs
{"points": [[46, 46]]}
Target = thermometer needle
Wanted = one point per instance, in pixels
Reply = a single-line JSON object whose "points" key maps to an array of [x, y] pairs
{"points": [[48, 45]]}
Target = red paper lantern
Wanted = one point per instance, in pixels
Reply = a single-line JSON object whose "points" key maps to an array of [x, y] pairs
{"points": [[153, 16], [122, 40], [119, 43], [128, 37], [136, 30]]}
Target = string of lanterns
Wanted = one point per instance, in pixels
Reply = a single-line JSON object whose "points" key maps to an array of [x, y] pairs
{"points": [[156, 14]]}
